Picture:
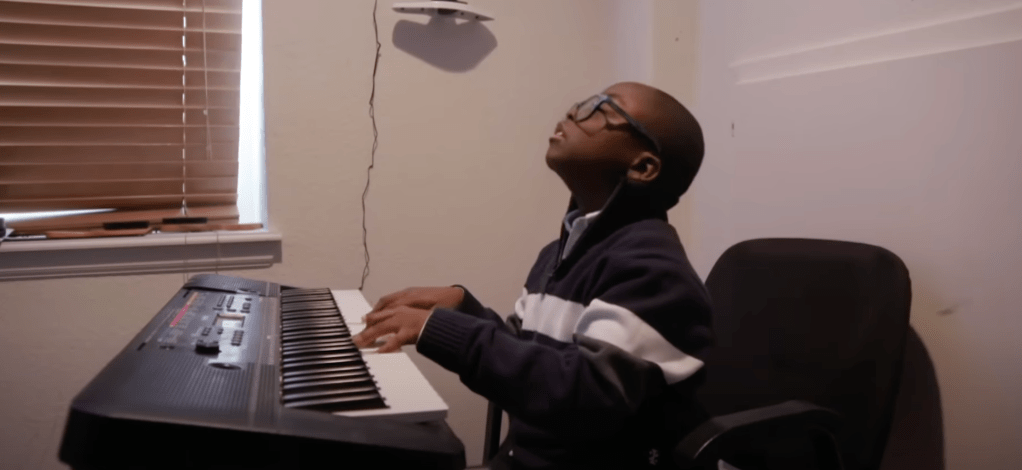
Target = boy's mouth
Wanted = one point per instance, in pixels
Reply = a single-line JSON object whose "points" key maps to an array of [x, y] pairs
{"points": [[558, 133]]}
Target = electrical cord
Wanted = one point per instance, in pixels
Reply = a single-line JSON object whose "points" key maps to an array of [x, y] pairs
{"points": [[376, 140]]}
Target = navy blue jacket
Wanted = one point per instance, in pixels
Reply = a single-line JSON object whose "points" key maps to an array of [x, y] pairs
{"points": [[597, 365]]}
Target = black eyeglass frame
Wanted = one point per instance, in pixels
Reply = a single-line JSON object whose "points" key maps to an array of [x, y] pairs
{"points": [[604, 98]]}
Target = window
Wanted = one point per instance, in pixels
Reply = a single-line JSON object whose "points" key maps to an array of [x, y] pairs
{"points": [[126, 110]]}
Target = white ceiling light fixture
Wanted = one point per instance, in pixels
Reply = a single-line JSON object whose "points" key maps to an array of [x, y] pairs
{"points": [[443, 8]]}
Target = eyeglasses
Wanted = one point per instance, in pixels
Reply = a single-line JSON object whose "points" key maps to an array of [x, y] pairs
{"points": [[585, 110]]}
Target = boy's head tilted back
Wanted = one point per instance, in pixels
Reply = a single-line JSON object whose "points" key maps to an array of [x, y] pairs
{"points": [[631, 131]]}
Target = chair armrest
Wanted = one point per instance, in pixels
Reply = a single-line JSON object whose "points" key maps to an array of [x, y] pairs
{"points": [[491, 441], [704, 445]]}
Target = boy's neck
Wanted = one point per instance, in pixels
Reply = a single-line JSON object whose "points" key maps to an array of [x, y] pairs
{"points": [[591, 194], [590, 204], [591, 199]]}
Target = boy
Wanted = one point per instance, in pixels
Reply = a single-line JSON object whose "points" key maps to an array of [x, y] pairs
{"points": [[597, 366]]}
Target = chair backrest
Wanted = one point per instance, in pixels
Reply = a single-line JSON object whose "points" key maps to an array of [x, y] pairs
{"points": [[817, 320]]}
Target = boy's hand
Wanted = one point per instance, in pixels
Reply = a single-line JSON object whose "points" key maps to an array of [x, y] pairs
{"points": [[422, 297], [404, 322]]}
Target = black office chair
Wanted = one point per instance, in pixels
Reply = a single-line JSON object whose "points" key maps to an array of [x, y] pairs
{"points": [[818, 326], [809, 342]]}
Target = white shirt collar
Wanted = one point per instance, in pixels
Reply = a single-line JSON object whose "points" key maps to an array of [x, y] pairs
{"points": [[575, 219], [576, 223]]}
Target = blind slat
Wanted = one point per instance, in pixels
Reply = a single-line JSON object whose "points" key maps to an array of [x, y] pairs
{"points": [[118, 188], [214, 6], [224, 213], [52, 75], [56, 76], [84, 15], [132, 202], [118, 58], [47, 35], [116, 154], [39, 116], [39, 172], [113, 97], [13, 135]]}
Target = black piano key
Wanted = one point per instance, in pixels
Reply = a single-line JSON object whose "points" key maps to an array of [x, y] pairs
{"points": [[309, 325], [306, 297], [320, 354], [306, 320], [329, 384], [329, 344], [299, 306], [325, 343], [365, 401], [297, 334], [310, 321], [294, 331], [342, 359], [291, 302], [313, 321], [334, 327], [312, 317], [294, 374], [315, 343], [322, 365], [308, 306], [345, 347], [299, 396], [324, 376], [310, 314], [320, 357], [312, 351], [315, 334], [304, 291], [324, 369], [311, 342], [291, 333]]}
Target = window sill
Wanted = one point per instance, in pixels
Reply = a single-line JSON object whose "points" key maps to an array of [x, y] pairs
{"points": [[149, 254]]}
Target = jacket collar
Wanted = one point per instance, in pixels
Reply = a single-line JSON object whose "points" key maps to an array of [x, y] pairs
{"points": [[630, 202]]}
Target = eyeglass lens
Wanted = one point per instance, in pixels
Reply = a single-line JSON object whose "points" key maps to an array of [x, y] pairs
{"points": [[586, 108]]}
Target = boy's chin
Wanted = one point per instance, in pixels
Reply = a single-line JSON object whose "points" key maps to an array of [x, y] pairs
{"points": [[563, 169], [551, 159], [557, 164], [556, 159]]}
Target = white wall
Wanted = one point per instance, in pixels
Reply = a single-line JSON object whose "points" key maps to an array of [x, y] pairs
{"points": [[460, 192], [894, 123]]}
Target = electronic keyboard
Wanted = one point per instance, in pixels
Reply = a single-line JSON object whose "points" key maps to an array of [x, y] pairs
{"points": [[240, 373]]}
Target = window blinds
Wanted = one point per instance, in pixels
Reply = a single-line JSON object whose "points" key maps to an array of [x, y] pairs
{"points": [[125, 105]]}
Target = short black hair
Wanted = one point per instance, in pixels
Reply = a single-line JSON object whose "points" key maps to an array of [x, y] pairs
{"points": [[682, 147]]}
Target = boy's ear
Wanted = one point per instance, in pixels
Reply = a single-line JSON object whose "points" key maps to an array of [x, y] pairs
{"points": [[645, 168]]}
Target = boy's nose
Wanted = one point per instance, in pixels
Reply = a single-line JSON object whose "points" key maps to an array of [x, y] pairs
{"points": [[571, 112]]}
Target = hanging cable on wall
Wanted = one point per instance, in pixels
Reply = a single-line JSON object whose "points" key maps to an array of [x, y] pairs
{"points": [[372, 161]]}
